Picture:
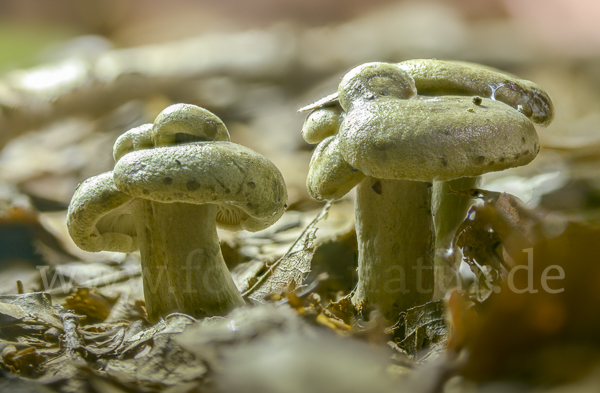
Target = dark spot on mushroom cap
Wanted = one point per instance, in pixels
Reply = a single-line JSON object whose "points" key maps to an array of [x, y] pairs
{"points": [[168, 180], [192, 185], [491, 162], [145, 192], [377, 187], [353, 170], [479, 159], [381, 145], [502, 159], [178, 162], [523, 139], [444, 162], [477, 100], [251, 184]]}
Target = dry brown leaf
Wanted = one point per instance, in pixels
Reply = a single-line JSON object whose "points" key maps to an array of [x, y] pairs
{"points": [[87, 302], [37, 306], [542, 325], [422, 331], [288, 273]]}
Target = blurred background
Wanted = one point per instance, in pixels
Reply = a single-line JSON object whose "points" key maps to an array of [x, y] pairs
{"points": [[74, 75]]}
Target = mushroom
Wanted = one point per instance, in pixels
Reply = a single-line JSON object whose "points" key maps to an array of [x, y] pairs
{"points": [[173, 184], [436, 77], [392, 143]]}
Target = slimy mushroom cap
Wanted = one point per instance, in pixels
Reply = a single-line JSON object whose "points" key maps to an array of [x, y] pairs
{"points": [[437, 77]]}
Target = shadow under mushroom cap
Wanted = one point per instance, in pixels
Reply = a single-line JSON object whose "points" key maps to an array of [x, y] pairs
{"points": [[436, 138], [250, 189]]}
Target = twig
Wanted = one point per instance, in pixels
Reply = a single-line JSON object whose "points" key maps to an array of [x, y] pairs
{"points": [[70, 340]]}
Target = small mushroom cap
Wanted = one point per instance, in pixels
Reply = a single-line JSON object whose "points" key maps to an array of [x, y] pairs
{"points": [[321, 123], [187, 123], [248, 188], [436, 138], [99, 217], [138, 138], [330, 176], [375, 81]]}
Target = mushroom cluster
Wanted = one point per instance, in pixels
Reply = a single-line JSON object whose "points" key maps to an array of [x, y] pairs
{"points": [[391, 131], [175, 182]]}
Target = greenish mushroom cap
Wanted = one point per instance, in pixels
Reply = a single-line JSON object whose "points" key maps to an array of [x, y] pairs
{"points": [[436, 138], [174, 160], [321, 123], [138, 138], [388, 131], [437, 77], [374, 81], [182, 123], [99, 217], [248, 189], [329, 175]]}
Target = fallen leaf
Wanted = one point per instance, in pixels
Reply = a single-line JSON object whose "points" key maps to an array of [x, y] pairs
{"points": [[541, 327], [422, 330], [289, 272], [37, 306], [173, 323], [87, 302]]}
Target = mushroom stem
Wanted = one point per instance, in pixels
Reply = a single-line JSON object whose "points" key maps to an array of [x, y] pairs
{"points": [[183, 267], [449, 210], [395, 232]]}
